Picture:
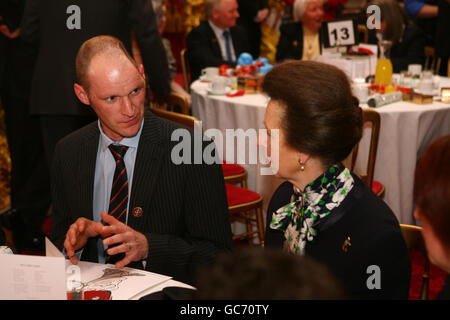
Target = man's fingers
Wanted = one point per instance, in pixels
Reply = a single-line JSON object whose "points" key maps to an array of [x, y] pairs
{"points": [[109, 219]]}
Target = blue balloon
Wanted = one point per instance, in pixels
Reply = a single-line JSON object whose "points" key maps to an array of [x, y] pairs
{"points": [[245, 59], [265, 68]]}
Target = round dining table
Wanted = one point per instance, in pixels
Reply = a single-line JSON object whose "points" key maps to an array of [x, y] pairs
{"points": [[406, 130]]}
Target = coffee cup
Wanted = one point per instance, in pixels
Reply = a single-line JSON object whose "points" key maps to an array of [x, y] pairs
{"points": [[361, 91], [414, 69], [209, 73], [426, 85], [218, 85]]}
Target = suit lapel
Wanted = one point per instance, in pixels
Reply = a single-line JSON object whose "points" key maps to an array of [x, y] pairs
{"points": [[86, 171], [149, 158], [214, 41]]}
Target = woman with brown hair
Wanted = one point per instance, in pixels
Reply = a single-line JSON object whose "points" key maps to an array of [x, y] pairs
{"points": [[431, 196], [323, 210], [408, 40]]}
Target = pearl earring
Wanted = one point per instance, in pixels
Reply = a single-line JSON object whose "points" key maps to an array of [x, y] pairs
{"points": [[302, 165]]}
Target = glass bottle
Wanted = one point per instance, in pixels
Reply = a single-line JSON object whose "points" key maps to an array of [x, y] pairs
{"points": [[383, 74]]}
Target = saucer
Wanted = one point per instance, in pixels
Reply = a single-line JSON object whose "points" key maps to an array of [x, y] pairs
{"points": [[428, 93], [222, 93], [204, 78]]}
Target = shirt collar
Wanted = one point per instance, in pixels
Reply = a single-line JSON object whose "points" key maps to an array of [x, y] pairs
{"points": [[217, 31], [130, 142]]}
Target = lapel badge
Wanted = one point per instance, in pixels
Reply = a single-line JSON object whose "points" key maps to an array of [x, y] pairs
{"points": [[295, 43], [347, 244], [137, 212]]}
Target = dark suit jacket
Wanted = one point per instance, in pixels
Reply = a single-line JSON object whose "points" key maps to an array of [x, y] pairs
{"points": [[248, 9], [375, 236], [290, 45], [44, 22], [203, 49], [185, 212]]}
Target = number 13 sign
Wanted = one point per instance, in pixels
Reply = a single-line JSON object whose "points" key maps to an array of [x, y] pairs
{"points": [[340, 33]]}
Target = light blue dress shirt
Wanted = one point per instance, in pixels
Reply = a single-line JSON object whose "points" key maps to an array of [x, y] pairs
{"points": [[104, 171]]}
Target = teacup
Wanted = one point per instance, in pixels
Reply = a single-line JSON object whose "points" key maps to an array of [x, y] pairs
{"points": [[414, 69], [361, 91], [218, 85], [209, 73], [426, 85]]}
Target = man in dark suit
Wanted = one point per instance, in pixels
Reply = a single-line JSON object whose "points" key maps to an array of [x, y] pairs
{"points": [[60, 27], [218, 40], [30, 185], [174, 217]]}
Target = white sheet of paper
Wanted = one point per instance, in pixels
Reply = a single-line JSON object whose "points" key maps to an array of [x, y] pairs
{"points": [[25, 277], [123, 283], [51, 250]]}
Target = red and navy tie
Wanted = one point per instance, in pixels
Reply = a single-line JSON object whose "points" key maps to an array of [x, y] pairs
{"points": [[119, 191]]}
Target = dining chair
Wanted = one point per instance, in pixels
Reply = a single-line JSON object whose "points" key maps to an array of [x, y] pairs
{"points": [[362, 29], [372, 117], [175, 101], [243, 204], [432, 62], [414, 240], [185, 70]]}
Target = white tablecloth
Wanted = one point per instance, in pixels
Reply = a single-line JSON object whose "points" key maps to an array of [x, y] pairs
{"points": [[406, 130]]}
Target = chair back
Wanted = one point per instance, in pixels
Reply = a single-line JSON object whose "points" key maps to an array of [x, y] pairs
{"points": [[177, 100], [362, 30], [414, 240], [183, 119], [185, 70], [432, 62], [372, 117]]}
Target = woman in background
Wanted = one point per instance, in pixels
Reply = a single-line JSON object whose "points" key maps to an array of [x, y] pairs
{"points": [[408, 40], [432, 199], [302, 40]]}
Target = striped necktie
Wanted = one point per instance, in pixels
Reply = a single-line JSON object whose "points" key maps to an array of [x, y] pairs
{"points": [[119, 191], [226, 35]]}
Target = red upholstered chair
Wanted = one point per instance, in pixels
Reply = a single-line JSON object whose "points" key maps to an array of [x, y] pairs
{"points": [[234, 173], [374, 118], [245, 206]]}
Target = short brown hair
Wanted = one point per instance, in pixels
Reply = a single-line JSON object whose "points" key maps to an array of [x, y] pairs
{"points": [[108, 45], [321, 117], [266, 274], [432, 187]]}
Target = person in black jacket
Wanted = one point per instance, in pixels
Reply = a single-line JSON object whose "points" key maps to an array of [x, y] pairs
{"points": [[59, 27], [30, 185], [172, 216], [408, 40], [323, 210], [251, 14], [302, 39], [431, 197], [206, 44]]}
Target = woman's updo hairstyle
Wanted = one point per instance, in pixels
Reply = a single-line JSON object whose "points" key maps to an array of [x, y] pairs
{"points": [[322, 117]]}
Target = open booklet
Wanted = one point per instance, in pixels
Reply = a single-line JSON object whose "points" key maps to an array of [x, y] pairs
{"points": [[52, 277]]}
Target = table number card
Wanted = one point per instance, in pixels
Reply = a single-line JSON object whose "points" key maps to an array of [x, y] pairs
{"points": [[340, 33]]}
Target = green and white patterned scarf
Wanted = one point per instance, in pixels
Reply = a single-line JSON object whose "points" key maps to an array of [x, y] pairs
{"points": [[300, 219]]}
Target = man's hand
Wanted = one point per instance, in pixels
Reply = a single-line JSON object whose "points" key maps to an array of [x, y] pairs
{"points": [[78, 234], [262, 15], [134, 244]]}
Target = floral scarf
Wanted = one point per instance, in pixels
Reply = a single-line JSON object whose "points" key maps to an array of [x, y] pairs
{"points": [[300, 219]]}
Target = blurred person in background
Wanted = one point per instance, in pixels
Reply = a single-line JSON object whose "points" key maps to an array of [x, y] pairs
{"points": [[432, 200]]}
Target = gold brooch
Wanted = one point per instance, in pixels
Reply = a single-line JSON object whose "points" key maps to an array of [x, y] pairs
{"points": [[347, 244]]}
